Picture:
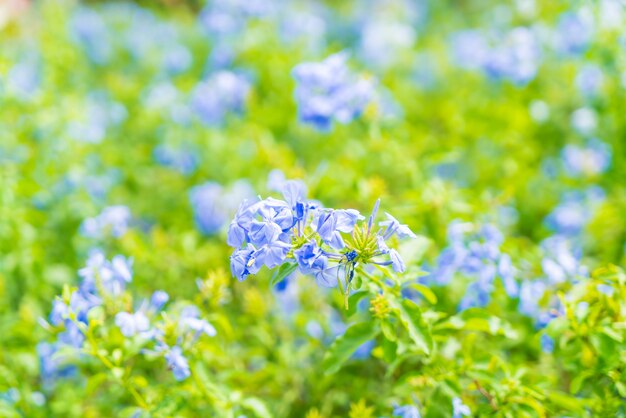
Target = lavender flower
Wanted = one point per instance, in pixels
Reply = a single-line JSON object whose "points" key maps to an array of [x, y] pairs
{"points": [[112, 220]]}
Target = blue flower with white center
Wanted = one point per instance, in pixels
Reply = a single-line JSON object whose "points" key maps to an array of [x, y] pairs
{"points": [[591, 160], [406, 411], [113, 220], [223, 93], [177, 363], [459, 409], [328, 91], [131, 324]]}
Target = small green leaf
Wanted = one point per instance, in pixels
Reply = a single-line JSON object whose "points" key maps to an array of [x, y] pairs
{"points": [[353, 302], [283, 271], [411, 316], [426, 292], [343, 347]]}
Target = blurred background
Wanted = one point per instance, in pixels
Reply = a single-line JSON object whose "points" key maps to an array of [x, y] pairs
{"points": [[139, 127]]}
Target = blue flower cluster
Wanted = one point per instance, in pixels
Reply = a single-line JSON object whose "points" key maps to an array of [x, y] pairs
{"points": [[516, 56], [328, 91], [272, 232], [475, 253], [574, 211], [103, 283], [101, 278], [224, 92], [590, 160], [113, 220]]}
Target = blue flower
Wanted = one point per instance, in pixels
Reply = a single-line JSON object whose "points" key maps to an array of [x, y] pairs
{"points": [[593, 159], [212, 204], [221, 94], [158, 300], [406, 411], [396, 262], [177, 363], [574, 32], [393, 226], [52, 364], [589, 80], [242, 264], [181, 160], [89, 30], [113, 220], [327, 91], [547, 343], [131, 324], [459, 409]]}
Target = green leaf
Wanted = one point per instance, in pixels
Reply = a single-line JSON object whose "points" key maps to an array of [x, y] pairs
{"points": [[257, 406], [353, 302], [566, 401], [344, 346], [426, 292], [411, 317], [282, 272]]}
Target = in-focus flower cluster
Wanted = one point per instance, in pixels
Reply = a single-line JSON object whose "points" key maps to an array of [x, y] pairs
{"points": [[328, 91], [322, 242]]}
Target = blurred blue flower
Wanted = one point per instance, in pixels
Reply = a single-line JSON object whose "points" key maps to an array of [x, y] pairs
{"points": [[593, 159], [213, 205], [547, 343], [574, 33], [158, 300], [459, 409], [113, 220], [406, 411], [223, 93], [589, 80], [131, 324], [180, 159], [89, 30], [177, 363], [328, 91]]}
